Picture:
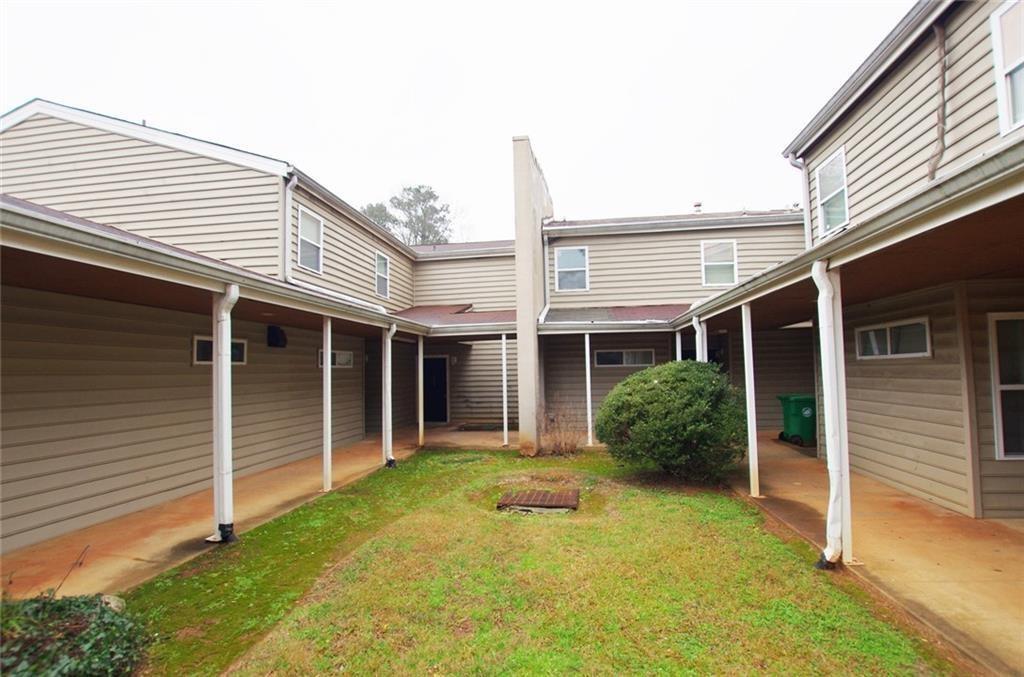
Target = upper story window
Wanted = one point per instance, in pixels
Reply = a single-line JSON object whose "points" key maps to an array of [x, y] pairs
{"points": [[571, 269], [830, 178], [904, 338], [1007, 25], [1006, 347], [718, 262], [383, 275], [311, 241]]}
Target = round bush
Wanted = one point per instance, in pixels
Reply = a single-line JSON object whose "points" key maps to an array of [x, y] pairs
{"points": [[683, 416]]}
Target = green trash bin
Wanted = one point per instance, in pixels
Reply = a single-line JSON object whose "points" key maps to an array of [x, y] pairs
{"points": [[799, 420]]}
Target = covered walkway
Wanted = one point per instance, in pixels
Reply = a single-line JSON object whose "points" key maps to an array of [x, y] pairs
{"points": [[961, 576], [128, 550]]}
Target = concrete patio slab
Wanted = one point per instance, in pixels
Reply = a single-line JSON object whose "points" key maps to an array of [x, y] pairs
{"points": [[963, 577]]}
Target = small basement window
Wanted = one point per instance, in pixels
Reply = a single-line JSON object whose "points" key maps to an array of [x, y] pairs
{"points": [[202, 350], [1006, 348], [383, 275], [904, 338], [571, 269], [830, 181], [718, 262], [311, 241], [624, 358], [340, 359], [1007, 26]]}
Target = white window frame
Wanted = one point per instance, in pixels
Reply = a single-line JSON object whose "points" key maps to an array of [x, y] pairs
{"points": [[704, 264], [585, 269], [997, 403], [1006, 124], [320, 359], [649, 351], [196, 338], [888, 325], [387, 277], [826, 232], [320, 245]]}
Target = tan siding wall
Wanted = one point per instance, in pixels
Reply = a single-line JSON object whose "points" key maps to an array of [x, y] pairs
{"points": [[103, 413], [643, 269], [489, 283], [905, 416], [565, 383], [197, 203], [783, 364], [403, 385], [1002, 482], [889, 137], [349, 257], [475, 387]]}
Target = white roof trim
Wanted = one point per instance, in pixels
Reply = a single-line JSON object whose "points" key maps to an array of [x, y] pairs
{"points": [[151, 134]]}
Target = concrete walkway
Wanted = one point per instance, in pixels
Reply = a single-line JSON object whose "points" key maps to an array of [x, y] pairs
{"points": [[964, 577], [128, 550]]}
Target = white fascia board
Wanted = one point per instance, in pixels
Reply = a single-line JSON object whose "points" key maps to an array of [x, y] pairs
{"points": [[151, 134]]}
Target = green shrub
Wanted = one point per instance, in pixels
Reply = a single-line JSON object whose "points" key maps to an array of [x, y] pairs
{"points": [[683, 416], [68, 636]]}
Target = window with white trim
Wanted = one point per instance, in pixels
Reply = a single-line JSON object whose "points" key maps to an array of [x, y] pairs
{"points": [[1007, 26], [830, 180], [572, 271], [202, 350], [383, 274], [1006, 349], [340, 359], [311, 241], [902, 338], [624, 358], [718, 262]]}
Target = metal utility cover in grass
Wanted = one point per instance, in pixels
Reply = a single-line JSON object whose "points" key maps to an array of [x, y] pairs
{"points": [[541, 501]]}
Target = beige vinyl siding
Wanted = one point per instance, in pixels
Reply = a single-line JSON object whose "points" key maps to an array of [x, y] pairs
{"points": [[565, 384], [783, 365], [1002, 482], [403, 385], [890, 136], [104, 414], [204, 205], [475, 388], [489, 283], [653, 268], [905, 415], [349, 257]]}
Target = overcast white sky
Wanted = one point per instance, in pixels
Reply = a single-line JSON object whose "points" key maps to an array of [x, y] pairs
{"points": [[635, 108]]}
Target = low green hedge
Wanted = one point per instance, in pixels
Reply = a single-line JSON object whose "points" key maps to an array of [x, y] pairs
{"points": [[68, 636]]}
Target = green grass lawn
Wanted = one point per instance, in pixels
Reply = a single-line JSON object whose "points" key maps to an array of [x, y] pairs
{"points": [[412, 571]]}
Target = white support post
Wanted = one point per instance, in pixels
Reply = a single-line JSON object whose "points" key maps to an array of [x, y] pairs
{"points": [[590, 397], [844, 439], [504, 387], [223, 497], [421, 437], [386, 433], [751, 395], [327, 364], [679, 345]]}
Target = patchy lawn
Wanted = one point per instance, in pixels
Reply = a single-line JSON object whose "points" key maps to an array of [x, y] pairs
{"points": [[413, 571]]}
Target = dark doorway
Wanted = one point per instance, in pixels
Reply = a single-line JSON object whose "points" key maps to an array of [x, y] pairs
{"points": [[435, 389]]}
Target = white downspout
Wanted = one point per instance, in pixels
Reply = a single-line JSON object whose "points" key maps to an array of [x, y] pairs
{"points": [[835, 518], [590, 403], [223, 498], [504, 387], [700, 339], [327, 364], [386, 431], [805, 196], [751, 398], [547, 302]]}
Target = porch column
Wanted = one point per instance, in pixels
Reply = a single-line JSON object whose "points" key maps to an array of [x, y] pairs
{"points": [[504, 386], [590, 403], [838, 520], [419, 390], [326, 365], [751, 395], [223, 497], [386, 433], [679, 344], [700, 339]]}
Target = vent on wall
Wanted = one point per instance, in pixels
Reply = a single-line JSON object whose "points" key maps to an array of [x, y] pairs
{"points": [[276, 338]]}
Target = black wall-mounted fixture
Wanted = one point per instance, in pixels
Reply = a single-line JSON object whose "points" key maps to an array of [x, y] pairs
{"points": [[276, 338]]}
